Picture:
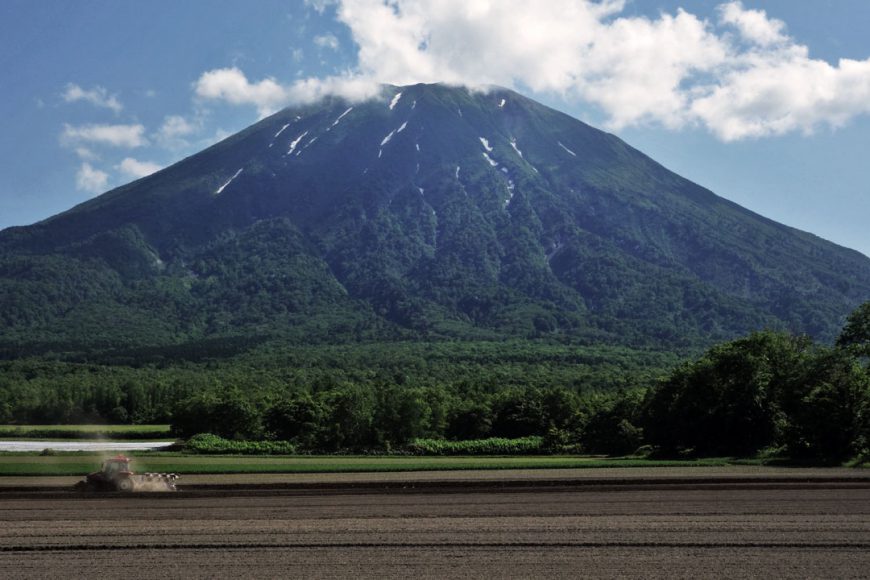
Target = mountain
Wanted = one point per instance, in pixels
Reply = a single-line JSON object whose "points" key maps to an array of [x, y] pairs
{"points": [[433, 212]]}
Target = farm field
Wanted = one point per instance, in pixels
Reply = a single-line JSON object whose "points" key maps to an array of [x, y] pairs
{"points": [[14, 464], [381, 480], [801, 529]]}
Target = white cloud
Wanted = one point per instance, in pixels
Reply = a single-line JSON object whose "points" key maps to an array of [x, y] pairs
{"points": [[97, 96], [320, 5], [136, 169], [113, 135], [176, 126], [90, 179], [231, 85], [774, 97], [350, 86], [754, 25], [740, 75], [174, 129], [86, 154], [326, 41]]}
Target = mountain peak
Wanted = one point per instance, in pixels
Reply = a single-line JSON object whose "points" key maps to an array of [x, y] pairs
{"points": [[433, 211]]}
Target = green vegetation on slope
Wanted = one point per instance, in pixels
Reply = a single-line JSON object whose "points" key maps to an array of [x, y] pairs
{"points": [[419, 239]]}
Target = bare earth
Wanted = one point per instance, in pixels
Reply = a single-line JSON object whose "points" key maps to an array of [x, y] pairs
{"points": [[738, 472], [805, 527]]}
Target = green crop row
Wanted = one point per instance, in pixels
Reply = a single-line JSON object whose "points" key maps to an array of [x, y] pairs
{"points": [[492, 446], [206, 443]]}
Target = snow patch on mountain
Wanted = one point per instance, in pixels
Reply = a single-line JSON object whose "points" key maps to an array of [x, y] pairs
{"points": [[295, 142], [510, 187], [229, 181], [485, 143], [566, 149], [514, 145], [402, 128], [488, 158], [388, 137], [281, 130], [501, 104], [334, 123], [395, 100]]}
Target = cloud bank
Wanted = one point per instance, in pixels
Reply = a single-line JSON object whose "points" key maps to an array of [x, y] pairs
{"points": [[738, 73]]}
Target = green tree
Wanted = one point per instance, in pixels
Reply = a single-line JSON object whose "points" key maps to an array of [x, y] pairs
{"points": [[296, 419], [828, 409], [726, 401], [518, 413], [401, 415], [470, 420], [348, 414], [229, 415], [612, 427], [856, 333]]}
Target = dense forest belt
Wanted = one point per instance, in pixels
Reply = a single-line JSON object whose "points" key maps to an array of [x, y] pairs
{"points": [[653, 531]]}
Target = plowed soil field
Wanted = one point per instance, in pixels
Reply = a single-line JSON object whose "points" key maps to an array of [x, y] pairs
{"points": [[679, 529]]}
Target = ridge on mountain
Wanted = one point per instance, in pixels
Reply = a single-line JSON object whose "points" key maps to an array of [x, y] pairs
{"points": [[433, 212]]}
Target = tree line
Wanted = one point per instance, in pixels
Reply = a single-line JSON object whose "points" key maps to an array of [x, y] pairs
{"points": [[770, 391]]}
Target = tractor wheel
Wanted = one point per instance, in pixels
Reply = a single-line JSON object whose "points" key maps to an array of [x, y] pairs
{"points": [[125, 485]]}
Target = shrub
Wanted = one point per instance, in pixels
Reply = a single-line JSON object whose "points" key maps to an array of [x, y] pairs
{"points": [[493, 446], [208, 444]]}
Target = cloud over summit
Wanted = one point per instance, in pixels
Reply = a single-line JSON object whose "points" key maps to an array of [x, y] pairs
{"points": [[738, 74]]}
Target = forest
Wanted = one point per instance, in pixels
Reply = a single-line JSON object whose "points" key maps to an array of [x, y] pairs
{"points": [[771, 392]]}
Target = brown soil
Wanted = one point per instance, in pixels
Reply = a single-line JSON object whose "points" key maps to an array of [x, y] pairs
{"points": [[798, 530], [497, 475]]}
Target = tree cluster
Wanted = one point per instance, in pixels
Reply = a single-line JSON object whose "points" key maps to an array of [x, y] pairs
{"points": [[767, 391]]}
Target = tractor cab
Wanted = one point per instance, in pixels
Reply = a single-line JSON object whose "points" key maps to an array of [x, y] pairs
{"points": [[118, 465], [114, 475]]}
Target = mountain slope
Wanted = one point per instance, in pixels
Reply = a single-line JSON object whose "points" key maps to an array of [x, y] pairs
{"points": [[433, 212]]}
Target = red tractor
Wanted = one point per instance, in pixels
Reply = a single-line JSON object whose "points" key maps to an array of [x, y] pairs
{"points": [[115, 475]]}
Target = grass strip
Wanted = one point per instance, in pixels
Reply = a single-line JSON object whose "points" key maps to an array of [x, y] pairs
{"points": [[79, 465]]}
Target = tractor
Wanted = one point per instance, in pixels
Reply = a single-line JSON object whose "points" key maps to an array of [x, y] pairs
{"points": [[115, 475]]}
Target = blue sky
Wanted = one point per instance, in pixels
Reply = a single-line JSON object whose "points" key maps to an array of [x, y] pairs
{"points": [[767, 103]]}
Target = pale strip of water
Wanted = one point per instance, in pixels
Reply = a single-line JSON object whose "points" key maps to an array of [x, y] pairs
{"points": [[83, 445]]}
